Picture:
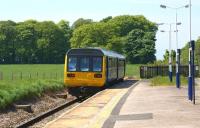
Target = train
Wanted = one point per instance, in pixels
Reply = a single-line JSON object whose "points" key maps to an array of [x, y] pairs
{"points": [[87, 70]]}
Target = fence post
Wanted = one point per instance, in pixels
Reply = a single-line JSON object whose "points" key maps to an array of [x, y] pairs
{"points": [[30, 75], [12, 76], [37, 75], [1, 75], [43, 75], [21, 75], [50, 75]]}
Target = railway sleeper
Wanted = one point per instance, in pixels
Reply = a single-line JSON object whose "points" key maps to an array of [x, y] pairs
{"points": [[25, 107], [62, 95]]}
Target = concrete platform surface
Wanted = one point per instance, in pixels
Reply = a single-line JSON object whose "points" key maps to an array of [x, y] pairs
{"points": [[94, 111], [157, 107], [134, 105]]}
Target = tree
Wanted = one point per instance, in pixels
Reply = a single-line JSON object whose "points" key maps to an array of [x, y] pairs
{"points": [[185, 51], [111, 33], [127, 23], [7, 41], [46, 42], [81, 22], [106, 19], [67, 31], [93, 35], [51, 43], [26, 42], [140, 48]]}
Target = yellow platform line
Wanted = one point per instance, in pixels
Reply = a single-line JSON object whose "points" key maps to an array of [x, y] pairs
{"points": [[99, 120], [71, 109]]}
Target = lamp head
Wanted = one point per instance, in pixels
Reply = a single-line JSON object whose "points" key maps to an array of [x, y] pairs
{"points": [[159, 24], [187, 6], [163, 6]]}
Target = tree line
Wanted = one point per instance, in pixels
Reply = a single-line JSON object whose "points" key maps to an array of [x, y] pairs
{"points": [[47, 42]]}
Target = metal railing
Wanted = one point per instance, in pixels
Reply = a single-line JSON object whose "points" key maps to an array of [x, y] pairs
{"points": [[153, 71]]}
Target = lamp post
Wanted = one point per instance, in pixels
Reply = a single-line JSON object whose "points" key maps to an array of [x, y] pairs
{"points": [[191, 77], [178, 50], [170, 56]]}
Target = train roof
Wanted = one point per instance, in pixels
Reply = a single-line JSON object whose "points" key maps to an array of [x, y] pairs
{"points": [[94, 51]]}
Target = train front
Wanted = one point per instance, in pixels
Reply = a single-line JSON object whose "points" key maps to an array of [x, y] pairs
{"points": [[84, 70]]}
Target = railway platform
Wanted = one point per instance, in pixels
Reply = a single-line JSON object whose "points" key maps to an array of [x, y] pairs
{"points": [[133, 104]]}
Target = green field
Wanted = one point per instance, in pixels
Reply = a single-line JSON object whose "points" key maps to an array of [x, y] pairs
{"points": [[45, 71], [33, 71], [25, 81], [133, 70]]}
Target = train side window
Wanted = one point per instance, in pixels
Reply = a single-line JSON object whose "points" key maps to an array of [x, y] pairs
{"points": [[110, 62], [97, 64], [72, 64], [84, 64]]}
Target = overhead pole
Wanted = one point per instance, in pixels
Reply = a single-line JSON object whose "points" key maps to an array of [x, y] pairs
{"points": [[177, 56]]}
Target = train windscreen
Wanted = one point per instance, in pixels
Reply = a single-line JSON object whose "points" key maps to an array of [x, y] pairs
{"points": [[85, 64], [97, 64], [72, 64]]}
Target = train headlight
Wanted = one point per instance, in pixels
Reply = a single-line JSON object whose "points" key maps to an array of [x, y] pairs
{"points": [[97, 75], [70, 75]]}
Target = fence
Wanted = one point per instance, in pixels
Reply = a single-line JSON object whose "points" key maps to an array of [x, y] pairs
{"points": [[152, 71], [27, 75]]}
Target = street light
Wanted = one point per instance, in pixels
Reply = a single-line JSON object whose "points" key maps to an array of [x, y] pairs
{"points": [[178, 50], [176, 9], [191, 76], [170, 57]]}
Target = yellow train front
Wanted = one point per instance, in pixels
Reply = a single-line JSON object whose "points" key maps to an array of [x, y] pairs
{"points": [[90, 69]]}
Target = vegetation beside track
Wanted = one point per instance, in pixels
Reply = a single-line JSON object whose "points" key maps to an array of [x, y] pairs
{"points": [[11, 91], [17, 88], [164, 81]]}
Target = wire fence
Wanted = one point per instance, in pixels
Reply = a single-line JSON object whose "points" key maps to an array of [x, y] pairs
{"points": [[30, 75]]}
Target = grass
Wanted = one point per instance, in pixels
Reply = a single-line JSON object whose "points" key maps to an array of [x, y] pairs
{"points": [[133, 70], [13, 91], [164, 81], [46, 71], [26, 81], [33, 71]]}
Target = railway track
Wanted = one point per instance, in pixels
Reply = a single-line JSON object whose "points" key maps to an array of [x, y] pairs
{"points": [[48, 113], [34, 120]]}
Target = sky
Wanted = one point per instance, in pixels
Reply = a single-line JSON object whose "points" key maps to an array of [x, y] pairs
{"points": [[71, 10]]}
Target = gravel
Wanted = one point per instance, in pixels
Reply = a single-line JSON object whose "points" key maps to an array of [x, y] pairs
{"points": [[11, 117]]}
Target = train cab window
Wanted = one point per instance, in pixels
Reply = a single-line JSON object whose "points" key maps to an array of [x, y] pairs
{"points": [[72, 65], [97, 64], [84, 64]]}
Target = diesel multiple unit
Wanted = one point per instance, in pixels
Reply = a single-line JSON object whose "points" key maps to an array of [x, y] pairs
{"points": [[88, 69]]}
